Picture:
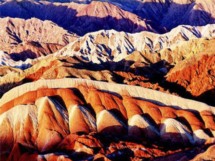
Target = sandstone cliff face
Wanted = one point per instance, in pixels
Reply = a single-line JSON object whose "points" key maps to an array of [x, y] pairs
{"points": [[90, 120]]}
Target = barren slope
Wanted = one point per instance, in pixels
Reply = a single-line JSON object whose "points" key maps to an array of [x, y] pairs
{"points": [[31, 38], [197, 77], [147, 69], [75, 119], [110, 45], [78, 18], [165, 15], [60, 97]]}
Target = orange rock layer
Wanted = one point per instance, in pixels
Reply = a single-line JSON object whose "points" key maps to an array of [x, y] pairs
{"points": [[84, 122], [197, 76]]}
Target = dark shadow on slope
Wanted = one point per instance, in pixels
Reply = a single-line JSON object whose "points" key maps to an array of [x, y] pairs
{"points": [[27, 54], [79, 94], [121, 150], [168, 15], [119, 134], [152, 13], [187, 154], [208, 97], [153, 73], [66, 17], [85, 24], [8, 86], [165, 142]]}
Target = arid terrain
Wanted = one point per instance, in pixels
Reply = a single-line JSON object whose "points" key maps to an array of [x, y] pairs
{"points": [[107, 80]]}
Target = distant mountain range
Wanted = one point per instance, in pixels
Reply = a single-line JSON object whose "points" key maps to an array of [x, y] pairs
{"points": [[77, 18], [107, 80], [130, 16]]}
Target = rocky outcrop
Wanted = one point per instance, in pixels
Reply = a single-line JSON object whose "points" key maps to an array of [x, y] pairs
{"points": [[196, 75], [31, 38], [107, 46], [103, 46], [81, 119], [133, 91], [59, 94], [16, 30], [146, 69]]}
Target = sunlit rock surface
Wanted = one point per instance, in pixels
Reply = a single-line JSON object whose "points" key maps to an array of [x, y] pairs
{"points": [[72, 116]]}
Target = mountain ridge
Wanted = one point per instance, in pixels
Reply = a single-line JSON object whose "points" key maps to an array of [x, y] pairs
{"points": [[99, 114], [107, 80], [74, 17], [148, 15]]}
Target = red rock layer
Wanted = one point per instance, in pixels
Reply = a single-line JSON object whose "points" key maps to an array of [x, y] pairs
{"points": [[83, 122], [197, 77]]}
